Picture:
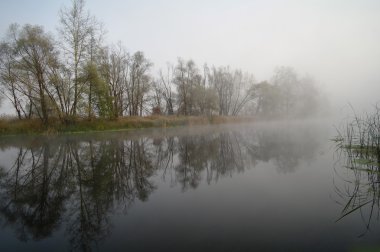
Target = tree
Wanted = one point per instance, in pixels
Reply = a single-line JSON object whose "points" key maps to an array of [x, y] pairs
{"points": [[267, 98], [186, 78], [287, 80], [297, 96], [114, 70], [242, 92], [164, 88], [78, 30], [61, 81], [8, 80], [205, 100], [100, 100], [138, 84], [309, 97], [234, 89], [222, 80], [27, 67]]}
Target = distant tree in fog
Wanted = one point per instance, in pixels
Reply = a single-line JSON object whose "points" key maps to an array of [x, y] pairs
{"points": [[287, 95], [222, 80], [286, 80], [309, 97], [267, 99]]}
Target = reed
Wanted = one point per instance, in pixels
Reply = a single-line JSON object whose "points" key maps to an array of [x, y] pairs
{"points": [[359, 142]]}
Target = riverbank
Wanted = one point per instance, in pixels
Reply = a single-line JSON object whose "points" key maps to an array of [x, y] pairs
{"points": [[35, 126]]}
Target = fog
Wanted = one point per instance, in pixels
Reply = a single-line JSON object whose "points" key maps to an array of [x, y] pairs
{"points": [[336, 42]]}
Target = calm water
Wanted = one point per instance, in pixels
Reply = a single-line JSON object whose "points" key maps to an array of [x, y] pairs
{"points": [[262, 187]]}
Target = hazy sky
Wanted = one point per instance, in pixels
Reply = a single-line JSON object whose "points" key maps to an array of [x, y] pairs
{"points": [[336, 41]]}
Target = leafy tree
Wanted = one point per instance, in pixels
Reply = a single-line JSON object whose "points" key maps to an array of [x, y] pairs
{"points": [[29, 58], [99, 97], [114, 70]]}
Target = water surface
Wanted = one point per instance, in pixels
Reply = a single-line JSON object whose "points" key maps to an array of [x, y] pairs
{"points": [[264, 187]]}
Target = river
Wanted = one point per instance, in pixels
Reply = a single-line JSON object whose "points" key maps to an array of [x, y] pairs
{"points": [[275, 186]]}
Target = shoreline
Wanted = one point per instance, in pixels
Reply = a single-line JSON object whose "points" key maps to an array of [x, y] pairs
{"points": [[16, 127]]}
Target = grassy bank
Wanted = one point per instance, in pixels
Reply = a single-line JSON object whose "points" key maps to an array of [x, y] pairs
{"points": [[35, 126]]}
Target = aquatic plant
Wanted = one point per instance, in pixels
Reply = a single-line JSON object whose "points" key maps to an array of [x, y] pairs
{"points": [[358, 145]]}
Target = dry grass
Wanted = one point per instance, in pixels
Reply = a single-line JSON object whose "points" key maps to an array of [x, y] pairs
{"points": [[35, 126]]}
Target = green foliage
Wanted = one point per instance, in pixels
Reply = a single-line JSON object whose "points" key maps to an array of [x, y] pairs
{"points": [[100, 97]]}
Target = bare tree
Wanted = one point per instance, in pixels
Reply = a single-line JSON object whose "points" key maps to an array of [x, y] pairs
{"points": [[61, 81], [138, 84], [8, 80], [234, 89], [165, 85], [77, 30], [243, 92], [222, 80]]}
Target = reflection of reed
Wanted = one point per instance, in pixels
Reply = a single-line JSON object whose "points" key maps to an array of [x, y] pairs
{"points": [[359, 146]]}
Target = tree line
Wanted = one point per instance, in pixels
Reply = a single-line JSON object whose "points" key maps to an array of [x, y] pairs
{"points": [[77, 75]]}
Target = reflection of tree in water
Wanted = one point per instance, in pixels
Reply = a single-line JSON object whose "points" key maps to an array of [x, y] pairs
{"points": [[227, 156], [164, 150], [109, 172], [33, 192], [82, 182], [193, 156], [212, 156], [286, 146], [222, 154]]}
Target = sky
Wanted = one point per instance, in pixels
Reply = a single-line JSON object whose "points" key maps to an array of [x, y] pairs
{"points": [[337, 42]]}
